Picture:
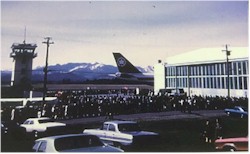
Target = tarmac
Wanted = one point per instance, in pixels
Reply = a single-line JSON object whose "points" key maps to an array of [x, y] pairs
{"points": [[156, 116]]}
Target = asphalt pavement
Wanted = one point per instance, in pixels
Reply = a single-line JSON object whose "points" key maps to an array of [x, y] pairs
{"points": [[156, 116]]}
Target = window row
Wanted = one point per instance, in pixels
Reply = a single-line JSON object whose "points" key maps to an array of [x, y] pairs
{"points": [[235, 68], [208, 82]]}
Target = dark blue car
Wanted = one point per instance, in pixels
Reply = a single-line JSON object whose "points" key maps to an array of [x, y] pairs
{"points": [[237, 111]]}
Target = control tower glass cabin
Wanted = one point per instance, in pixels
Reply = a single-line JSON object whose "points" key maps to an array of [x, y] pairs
{"points": [[22, 55]]}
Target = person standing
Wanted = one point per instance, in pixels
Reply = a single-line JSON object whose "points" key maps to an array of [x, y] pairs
{"points": [[207, 133], [218, 129], [12, 116]]}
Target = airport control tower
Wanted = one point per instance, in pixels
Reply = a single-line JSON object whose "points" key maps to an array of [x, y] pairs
{"points": [[22, 55]]}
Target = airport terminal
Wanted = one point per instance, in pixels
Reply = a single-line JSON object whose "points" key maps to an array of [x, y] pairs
{"points": [[205, 72]]}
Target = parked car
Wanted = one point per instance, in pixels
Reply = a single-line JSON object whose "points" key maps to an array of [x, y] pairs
{"points": [[237, 111], [72, 143], [123, 133], [232, 144], [40, 124], [41, 127]]}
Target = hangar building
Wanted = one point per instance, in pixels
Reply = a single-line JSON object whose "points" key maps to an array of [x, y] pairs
{"points": [[204, 72]]}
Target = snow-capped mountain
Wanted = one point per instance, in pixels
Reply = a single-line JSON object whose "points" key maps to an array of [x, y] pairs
{"points": [[74, 72]]}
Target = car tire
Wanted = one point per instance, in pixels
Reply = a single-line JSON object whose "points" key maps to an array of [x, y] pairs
{"points": [[118, 145], [229, 148]]}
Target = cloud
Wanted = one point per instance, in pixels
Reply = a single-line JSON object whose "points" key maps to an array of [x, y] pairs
{"points": [[81, 30]]}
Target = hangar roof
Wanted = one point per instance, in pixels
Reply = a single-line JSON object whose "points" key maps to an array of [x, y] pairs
{"points": [[208, 55]]}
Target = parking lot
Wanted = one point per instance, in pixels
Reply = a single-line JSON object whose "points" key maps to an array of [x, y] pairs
{"points": [[179, 132]]}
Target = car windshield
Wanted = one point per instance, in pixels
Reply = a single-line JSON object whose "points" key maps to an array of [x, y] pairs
{"points": [[129, 127], [245, 109], [76, 142], [45, 120]]}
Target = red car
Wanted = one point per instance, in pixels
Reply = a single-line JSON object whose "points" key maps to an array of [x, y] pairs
{"points": [[232, 144]]}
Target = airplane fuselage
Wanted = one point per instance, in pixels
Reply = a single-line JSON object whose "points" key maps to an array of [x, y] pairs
{"points": [[144, 77]]}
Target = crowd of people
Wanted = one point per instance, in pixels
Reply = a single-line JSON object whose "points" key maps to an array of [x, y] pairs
{"points": [[91, 103]]}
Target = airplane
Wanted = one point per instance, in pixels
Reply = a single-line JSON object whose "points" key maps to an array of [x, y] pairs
{"points": [[127, 71]]}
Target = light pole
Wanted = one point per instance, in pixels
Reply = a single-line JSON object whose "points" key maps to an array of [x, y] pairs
{"points": [[47, 42], [227, 63]]}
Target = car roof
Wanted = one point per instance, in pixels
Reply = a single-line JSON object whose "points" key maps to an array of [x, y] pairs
{"points": [[120, 122], [62, 136], [42, 118]]}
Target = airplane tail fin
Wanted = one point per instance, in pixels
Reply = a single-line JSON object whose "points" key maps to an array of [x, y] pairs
{"points": [[124, 66]]}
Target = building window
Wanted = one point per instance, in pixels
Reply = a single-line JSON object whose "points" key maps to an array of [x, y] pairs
{"points": [[199, 70], [219, 83], [244, 70], [185, 70], [177, 71], [231, 83], [223, 83], [209, 69], [200, 83], [212, 82], [239, 68], [174, 71], [195, 82], [230, 68], [191, 71], [222, 69], [235, 83], [240, 82], [212, 69], [208, 83], [181, 82], [195, 71], [234, 70], [204, 83], [245, 82], [215, 82], [218, 69], [246, 67], [192, 82]]}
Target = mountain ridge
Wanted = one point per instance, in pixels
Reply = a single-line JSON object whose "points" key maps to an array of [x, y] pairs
{"points": [[75, 72]]}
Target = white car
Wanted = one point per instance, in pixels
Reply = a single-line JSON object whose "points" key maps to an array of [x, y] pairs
{"points": [[40, 124], [72, 143], [123, 133]]}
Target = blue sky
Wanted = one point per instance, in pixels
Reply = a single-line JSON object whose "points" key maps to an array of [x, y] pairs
{"points": [[143, 31]]}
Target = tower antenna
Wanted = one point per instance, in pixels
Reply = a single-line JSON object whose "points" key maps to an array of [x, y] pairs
{"points": [[24, 41]]}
